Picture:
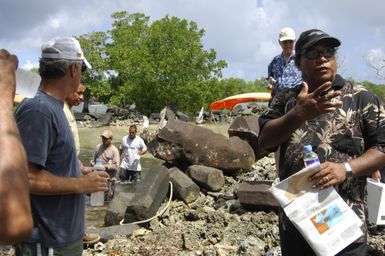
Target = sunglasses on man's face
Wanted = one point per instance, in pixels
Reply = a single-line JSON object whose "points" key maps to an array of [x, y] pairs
{"points": [[314, 54], [80, 65], [288, 42], [84, 67]]}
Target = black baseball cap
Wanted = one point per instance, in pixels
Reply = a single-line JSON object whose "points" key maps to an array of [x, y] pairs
{"points": [[310, 37]]}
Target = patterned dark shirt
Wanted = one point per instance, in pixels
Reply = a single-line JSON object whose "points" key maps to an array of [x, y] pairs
{"points": [[287, 74], [358, 125]]}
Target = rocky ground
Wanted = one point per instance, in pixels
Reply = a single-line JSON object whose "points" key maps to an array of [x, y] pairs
{"points": [[214, 225]]}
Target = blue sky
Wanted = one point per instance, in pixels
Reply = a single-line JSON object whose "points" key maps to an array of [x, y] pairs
{"points": [[244, 33]]}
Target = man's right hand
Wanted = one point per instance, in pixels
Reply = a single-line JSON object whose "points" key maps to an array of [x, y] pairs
{"points": [[269, 86], [320, 101], [95, 181], [8, 66]]}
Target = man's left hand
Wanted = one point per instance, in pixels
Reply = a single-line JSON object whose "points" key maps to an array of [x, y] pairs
{"points": [[86, 169]]}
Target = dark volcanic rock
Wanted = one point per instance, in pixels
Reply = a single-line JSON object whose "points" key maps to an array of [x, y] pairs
{"points": [[192, 144]]}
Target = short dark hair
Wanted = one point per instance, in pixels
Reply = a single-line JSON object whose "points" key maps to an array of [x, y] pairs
{"points": [[54, 68], [133, 126]]}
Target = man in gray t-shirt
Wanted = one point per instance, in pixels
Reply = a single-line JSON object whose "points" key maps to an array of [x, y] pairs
{"points": [[56, 183]]}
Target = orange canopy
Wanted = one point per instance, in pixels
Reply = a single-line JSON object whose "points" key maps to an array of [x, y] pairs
{"points": [[229, 102]]}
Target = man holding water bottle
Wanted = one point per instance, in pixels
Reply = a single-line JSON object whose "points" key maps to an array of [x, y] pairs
{"points": [[57, 186], [110, 157], [108, 153]]}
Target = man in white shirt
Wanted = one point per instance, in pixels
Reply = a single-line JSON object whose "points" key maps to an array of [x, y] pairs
{"points": [[132, 148]]}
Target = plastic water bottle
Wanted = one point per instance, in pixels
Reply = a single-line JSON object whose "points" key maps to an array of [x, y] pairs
{"points": [[97, 198], [309, 156]]}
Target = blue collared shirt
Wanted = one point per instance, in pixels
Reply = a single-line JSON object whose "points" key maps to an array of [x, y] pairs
{"points": [[287, 74]]}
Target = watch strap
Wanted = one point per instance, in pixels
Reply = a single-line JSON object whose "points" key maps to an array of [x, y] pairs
{"points": [[349, 171]]}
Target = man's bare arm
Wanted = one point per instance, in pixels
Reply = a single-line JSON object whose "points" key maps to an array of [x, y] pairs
{"points": [[43, 182], [15, 212], [335, 173]]}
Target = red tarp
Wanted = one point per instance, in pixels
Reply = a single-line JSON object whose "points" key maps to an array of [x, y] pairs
{"points": [[229, 102]]}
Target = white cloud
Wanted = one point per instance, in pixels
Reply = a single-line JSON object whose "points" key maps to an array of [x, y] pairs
{"points": [[376, 56], [28, 65], [376, 61], [243, 32]]}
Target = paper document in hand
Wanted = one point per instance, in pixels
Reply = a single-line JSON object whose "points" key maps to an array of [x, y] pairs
{"points": [[322, 217], [327, 218], [295, 185]]}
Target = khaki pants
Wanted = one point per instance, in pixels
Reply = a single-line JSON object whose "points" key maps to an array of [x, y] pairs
{"points": [[34, 249]]}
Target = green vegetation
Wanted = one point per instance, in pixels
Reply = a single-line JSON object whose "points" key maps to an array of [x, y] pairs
{"points": [[377, 89], [153, 65], [159, 64]]}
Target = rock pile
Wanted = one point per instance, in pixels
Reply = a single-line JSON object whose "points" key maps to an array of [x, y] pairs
{"points": [[214, 224]]}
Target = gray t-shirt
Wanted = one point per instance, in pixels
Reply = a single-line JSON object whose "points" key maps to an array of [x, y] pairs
{"points": [[47, 139]]}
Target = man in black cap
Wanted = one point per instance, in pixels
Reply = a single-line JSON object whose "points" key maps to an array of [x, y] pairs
{"points": [[343, 122]]}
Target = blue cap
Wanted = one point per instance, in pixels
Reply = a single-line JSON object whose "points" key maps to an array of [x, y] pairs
{"points": [[307, 148]]}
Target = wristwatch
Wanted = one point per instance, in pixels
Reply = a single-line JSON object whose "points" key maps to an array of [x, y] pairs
{"points": [[349, 171]]}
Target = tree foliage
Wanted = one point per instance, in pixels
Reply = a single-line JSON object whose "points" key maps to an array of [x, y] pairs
{"points": [[96, 80], [377, 89], [231, 86], [156, 64]]}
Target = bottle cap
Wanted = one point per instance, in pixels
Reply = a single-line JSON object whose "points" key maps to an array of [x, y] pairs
{"points": [[307, 148]]}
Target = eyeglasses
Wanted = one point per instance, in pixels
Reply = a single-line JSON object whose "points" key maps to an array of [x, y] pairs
{"points": [[288, 42], [80, 65], [84, 67], [314, 54]]}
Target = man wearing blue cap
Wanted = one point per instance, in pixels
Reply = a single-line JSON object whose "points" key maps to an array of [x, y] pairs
{"points": [[56, 184], [343, 122]]}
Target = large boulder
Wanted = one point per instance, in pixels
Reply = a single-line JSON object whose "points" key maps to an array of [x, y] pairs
{"points": [[255, 195], [184, 187], [170, 114], [206, 177], [137, 202], [181, 116], [108, 233], [196, 145], [247, 128]]}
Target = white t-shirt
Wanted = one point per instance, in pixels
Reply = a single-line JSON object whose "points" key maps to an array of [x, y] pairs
{"points": [[130, 148]]}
